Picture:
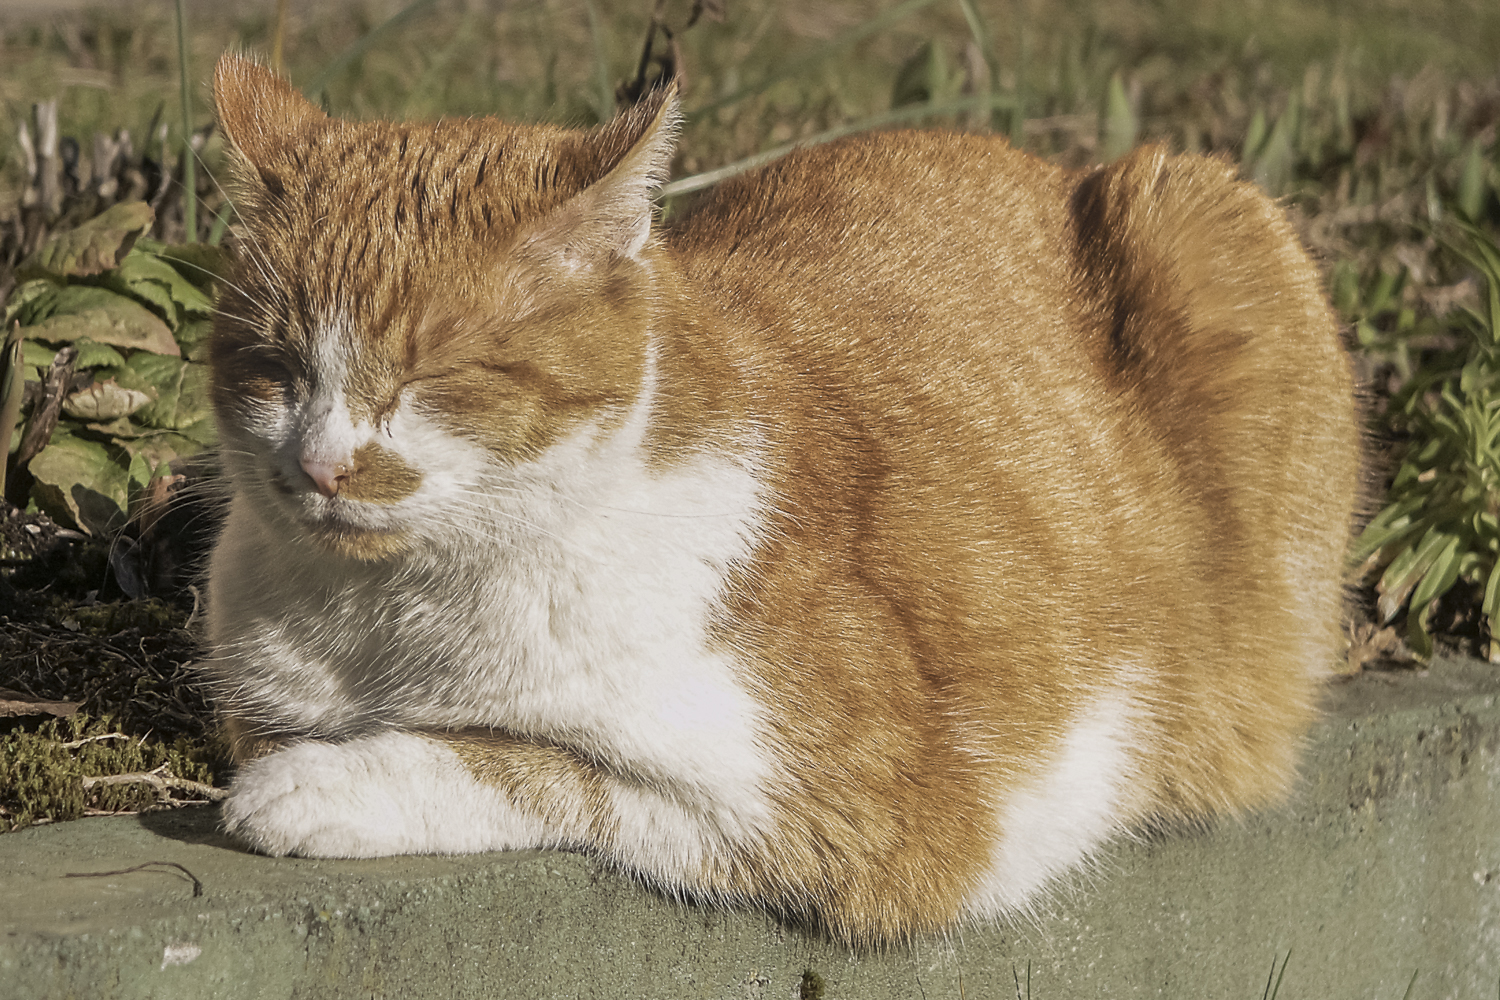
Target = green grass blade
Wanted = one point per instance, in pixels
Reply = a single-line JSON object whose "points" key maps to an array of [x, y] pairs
{"points": [[980, 32], [221, 223], [910, 113], [189, 171], [1373, 539], [604, 94], [1440, 576], [1491, 605], [1120, 125], [320, 82], [845, 39], [1404, 572], [1281, 975], [11, 386], [1471, 186]]}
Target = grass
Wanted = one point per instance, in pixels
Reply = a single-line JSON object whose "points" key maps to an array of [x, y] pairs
{"points": [[1376, 122]]}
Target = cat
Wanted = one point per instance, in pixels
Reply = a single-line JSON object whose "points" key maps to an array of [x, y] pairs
{"points": [[870, 545]]}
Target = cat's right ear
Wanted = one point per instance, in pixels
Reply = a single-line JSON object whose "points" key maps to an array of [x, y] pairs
{"points": [[261, 114], [610, 219]]}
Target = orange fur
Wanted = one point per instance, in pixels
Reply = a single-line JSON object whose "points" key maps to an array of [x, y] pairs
{"points": [[1028, 436]]}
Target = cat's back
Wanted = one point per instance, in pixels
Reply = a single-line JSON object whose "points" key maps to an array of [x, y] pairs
{"points": [[870, 217], [1082, 430]]}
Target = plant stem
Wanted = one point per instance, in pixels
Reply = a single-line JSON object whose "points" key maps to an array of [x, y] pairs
{"points": [[899, 116], [189, 174]]}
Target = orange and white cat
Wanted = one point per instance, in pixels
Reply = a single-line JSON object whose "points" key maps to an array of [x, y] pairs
{"points": [[870, 545]]}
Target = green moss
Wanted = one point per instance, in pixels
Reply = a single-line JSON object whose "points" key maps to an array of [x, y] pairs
{"points": [[42, 773], [150, 617]]}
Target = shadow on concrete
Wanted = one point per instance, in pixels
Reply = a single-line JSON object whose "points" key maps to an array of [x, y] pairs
{"points": [[191, 825]]}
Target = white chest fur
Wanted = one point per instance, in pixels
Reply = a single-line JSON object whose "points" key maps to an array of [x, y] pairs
{"points": [[568, 599]]}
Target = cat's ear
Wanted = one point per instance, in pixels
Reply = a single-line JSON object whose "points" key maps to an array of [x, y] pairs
{"points": [[611, 218], [261, 114]]}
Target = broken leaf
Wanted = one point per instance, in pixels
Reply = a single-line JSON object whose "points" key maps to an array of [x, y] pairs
{"points": [[104, 401], [94, 247]]}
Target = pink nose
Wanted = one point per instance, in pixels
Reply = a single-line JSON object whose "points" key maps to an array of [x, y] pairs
{"points": [[329, 477]]}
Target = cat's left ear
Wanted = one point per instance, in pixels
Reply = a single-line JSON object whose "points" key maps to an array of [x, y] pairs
{"points": [[611, 218]]}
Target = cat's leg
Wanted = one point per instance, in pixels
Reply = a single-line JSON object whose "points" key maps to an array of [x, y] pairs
{"points": [[391, 793], [248, 742]]}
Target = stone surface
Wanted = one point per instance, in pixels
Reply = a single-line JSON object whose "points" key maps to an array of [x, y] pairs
{"points": [[1385, 863]]}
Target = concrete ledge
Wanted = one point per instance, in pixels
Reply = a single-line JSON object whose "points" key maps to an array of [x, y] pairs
{"points": [[1385, 863]]}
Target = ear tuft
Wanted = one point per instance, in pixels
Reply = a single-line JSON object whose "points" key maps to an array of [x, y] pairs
{"points": [[260, 112], [611, 218]]}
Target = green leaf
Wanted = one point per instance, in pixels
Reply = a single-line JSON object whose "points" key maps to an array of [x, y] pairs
{"points": [[1405, 571], [1418, 636], [1441, 575], [94, 247], [180, 391], [121, 427], [37, 355], [1343, 286], [1255, 137], [1274, 165], [192, 337], [107, 318], [31, 302], [81, 482], [92, 354], [158, 447], [1471, 186], [160, 285], [200, 263], [12, 386], [1491, 604]]}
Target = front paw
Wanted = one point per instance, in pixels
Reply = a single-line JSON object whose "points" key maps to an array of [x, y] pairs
{"points": [[396, 793]]}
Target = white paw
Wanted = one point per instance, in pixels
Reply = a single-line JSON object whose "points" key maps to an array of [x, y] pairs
{"points": [[396, 793]]}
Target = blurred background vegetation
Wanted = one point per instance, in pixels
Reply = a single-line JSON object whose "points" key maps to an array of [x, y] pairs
{"points": [[1374, 120]]}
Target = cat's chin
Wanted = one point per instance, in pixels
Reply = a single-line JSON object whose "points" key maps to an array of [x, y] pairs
{"points": [[361, 544]]}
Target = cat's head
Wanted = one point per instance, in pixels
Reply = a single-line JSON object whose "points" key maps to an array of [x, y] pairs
{"points": [[413, 304]]}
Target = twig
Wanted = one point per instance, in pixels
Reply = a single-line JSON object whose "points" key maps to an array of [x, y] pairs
{"points": [[197, 885], [163, 783], [197, 600], [45, 413], [94, 739]]}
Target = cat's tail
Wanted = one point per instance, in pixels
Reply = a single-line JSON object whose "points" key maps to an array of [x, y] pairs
{"points": [[1212, 326]]}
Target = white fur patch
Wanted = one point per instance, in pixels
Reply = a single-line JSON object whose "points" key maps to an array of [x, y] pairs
{"points": [[1065, 812], [395, 793], [568, 599]]}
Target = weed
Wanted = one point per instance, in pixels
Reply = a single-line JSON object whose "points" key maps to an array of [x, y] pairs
{"points": [[1442, 519]]}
